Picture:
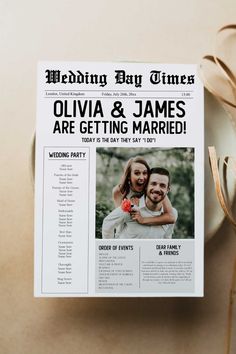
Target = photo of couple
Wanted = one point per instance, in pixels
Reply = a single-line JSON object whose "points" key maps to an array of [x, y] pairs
{"points": [[140, 206]]}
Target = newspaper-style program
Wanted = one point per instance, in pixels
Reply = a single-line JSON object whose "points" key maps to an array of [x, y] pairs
{"points": [[119, 181]]}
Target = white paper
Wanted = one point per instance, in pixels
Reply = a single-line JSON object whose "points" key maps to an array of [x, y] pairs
{"points": [[90, 117]]}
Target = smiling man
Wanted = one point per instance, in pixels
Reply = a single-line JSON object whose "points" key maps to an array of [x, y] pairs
{"points": [[130, 224]]}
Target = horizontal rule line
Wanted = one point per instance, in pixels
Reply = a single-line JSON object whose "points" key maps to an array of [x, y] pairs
{"points": [[122, 90], [154, 97]]}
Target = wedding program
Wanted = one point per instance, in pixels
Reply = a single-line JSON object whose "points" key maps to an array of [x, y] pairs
{"points": [[119, 182]]}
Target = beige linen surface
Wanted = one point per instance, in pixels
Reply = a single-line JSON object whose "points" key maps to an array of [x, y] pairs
{"points": [[151, 31]]}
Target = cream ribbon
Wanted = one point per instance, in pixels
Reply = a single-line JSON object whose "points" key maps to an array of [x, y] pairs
{"points": [[223, 69], [218, 187], [230, 78]]}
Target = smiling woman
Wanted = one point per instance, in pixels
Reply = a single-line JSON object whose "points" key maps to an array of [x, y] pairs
{"points": [[133, 180]]}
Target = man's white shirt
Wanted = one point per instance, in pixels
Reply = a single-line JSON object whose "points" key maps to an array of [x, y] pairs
{"points": [[118, 224]]}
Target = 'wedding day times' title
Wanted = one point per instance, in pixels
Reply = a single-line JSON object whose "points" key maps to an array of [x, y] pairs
{"points": [[137, 115]]}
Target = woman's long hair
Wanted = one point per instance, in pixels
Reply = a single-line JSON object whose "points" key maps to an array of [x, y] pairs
{"points": [[125, 179]]}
